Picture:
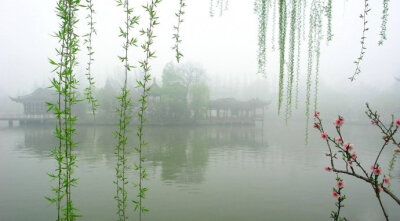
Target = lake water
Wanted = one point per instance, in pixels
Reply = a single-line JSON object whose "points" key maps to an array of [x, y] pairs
{"points": [[217, 173]]}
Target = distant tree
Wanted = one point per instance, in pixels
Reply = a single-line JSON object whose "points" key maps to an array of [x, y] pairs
{"points": [[184, 92], [174, 103], [107, 95], [199, 100], [185, 74], [191, 74], [170, 75]]}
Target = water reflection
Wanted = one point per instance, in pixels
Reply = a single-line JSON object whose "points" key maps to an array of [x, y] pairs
{"points": [[182, 153], [193, 171]]}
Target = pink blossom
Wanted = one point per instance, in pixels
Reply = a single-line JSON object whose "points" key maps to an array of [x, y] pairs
{"points": [[380, 189], [340, 184], [354, 155], [316, 114], [339, 122], [316, 125], [348, 147], [328, 169], [373, 167], [376, 121], [324, 135], [350, 163], [377, 171], [398, 122], [339, 140], [335, 195], [386, 180]]}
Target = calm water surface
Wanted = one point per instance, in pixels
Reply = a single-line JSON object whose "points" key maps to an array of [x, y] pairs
{"points": [[195, 174]]}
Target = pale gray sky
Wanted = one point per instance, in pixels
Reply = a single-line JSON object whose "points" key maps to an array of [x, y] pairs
{"points": [[225, 46]]}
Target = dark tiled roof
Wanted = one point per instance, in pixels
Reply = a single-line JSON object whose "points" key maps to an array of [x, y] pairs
{"points": [[39, 95]]}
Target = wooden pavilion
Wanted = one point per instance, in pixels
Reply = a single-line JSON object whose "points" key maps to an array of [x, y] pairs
{"points": [[232, 111]]}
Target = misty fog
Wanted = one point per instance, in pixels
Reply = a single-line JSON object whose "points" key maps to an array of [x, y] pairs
{"points": [[217, 147]]}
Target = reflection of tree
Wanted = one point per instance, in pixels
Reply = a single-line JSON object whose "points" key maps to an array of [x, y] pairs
{"points": [[182, 153], [167, 147]]}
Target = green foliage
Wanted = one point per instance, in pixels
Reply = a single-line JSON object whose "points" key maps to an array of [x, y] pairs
{"points": [[173, 106], [328, 14], [260, 7], [181, 94], [314, 45], [300, 23], [309, 68], [317, 38], [292, 39], [335, 215], [89, 90], [66, 86], [274, 23], [363, 16], [385, 15], [282, 48], [391, 167], [296, 11], [107, 101], [200, 98], [176, 35], [123, 111], [150, 8]]}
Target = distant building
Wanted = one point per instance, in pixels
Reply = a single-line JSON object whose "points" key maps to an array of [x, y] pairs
{"points": [[232, 111], [35, 103]]}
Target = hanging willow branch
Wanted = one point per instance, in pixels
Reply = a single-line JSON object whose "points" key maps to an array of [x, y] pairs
{"points": [[65, 84], [260, 7], [89, 90], [123, 111], [290, 77], [143, 85], [328, 14], [311, 43], [363, 47], [176, 35], [282, 47], [303, 12], [58, 152], [318, 39], [299, 26], [385, 15], [274, 23]]}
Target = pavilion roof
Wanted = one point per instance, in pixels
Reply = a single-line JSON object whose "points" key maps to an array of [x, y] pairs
{"points": [[39, 95]]}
